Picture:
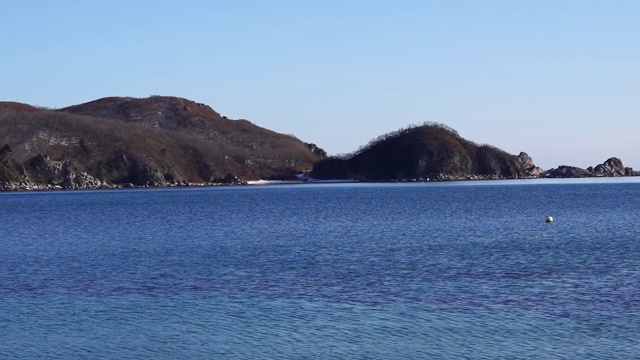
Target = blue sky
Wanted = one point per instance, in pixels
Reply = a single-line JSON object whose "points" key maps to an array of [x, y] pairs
{"points": [[557, 79]]}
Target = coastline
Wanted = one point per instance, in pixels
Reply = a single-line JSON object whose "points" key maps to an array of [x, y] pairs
{"points": [[27, 187]]}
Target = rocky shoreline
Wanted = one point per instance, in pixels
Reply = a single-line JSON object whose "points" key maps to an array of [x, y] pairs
{"points": [[41, 173], [27, 186], [611, 168], [161, 142]]}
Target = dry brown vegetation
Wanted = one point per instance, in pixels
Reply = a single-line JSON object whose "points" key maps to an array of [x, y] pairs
{"points": [[13, 107], [177, 138]]}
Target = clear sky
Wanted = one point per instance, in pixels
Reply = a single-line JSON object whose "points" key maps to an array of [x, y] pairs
{"points": [[557, 79]]}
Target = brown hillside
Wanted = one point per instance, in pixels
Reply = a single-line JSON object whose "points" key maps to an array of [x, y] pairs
{"points": [[16, 107], [158, 111], [156, 141], [174, 113]]}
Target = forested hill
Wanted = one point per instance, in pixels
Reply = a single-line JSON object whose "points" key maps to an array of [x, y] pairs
{"points": [[156, 141], [429, 151]]}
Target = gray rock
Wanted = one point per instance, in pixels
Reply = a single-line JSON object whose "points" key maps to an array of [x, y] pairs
{"points": [[565, 171], [528, 164], [11, 171], [64, 174], [611, 167]]}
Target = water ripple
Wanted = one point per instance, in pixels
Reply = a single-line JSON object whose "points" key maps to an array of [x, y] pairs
{"points": [[360, 272]]}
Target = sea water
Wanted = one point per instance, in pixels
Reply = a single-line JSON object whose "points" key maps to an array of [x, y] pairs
{"points": [[460, 270]]}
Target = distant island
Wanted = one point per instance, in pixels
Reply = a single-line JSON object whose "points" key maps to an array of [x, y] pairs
{"points": [[161, 141]]}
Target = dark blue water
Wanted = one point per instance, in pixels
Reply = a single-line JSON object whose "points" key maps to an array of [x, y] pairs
{"points": [[358, 271]]}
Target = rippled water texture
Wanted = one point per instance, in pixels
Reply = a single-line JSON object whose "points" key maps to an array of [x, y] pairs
{"points": [[370, 271]]}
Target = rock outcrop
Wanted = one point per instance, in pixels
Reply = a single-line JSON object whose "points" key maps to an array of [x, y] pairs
{"points": [[565, 171], [43, 173], [125, 169], [610, 168], [528, 164], [12, 174]]}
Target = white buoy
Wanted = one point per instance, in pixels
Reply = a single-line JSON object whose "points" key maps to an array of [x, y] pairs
{"points": [[548, 219]]}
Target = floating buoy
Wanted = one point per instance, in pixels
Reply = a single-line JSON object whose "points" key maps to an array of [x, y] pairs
{"points": [[548, 219]]}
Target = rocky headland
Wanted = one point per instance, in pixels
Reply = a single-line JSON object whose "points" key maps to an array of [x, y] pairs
{"points": [[130, 142], [426, 152], [435, 152], [122, 142]]}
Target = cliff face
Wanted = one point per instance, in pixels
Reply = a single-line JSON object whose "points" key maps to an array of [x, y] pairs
{"points": [[157, 141], [11, 171], [430, 151], [42, 173]]}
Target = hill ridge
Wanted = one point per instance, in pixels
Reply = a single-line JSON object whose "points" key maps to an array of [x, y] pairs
{"points": [[424, 152], [157, 141]]}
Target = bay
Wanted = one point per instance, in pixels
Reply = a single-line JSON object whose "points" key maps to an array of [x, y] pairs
{"points": [[430, 270]]}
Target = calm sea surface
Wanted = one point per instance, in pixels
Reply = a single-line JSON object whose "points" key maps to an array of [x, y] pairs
{"points": [[347, 271]]}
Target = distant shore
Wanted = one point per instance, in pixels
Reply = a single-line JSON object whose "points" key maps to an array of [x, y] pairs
{"points": [[38, 187]]}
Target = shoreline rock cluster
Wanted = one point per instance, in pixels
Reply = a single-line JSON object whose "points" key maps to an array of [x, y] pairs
{"points": [[42, 173], [612, 167]]}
